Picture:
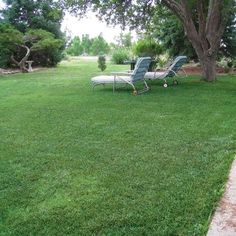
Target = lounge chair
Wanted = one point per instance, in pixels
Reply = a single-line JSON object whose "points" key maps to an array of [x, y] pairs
{"points": [[130, 78], [171, 71]]}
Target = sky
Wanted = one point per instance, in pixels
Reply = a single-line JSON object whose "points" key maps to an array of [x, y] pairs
{"points": [[1, 4], [89, 25], [92, 26]]}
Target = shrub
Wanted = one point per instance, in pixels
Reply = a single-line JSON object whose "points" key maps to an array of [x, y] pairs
{"points": [[147, 47], [120, 55], [226, 63], [102, 62], [46, 50]]}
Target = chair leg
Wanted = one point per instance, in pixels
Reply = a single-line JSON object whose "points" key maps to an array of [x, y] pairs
{"points": [[175, 82], [145, 89], [146, 85]]}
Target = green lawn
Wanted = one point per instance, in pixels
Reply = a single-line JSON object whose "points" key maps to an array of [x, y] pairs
{"points": [[78, 162]]}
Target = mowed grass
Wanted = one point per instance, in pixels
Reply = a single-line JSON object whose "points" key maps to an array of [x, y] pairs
{"points": [[79, 162]]}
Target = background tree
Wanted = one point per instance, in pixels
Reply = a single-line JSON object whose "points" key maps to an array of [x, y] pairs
{"points": [[18, 47], [9, 39], [25, 15], [90, 46], [204, 21], [124, 40], [37, 14], [99, 46], [228, 45], [46, 48], [168, 30], [75, 48], [147, 46], [166, 27], [86, 43]]}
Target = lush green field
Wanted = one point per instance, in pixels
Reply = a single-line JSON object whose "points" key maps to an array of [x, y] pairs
{"points": [[78, 162]]}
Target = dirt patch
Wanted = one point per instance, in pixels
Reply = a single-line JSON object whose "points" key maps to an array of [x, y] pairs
{"points": [[8, 71], [195, 69], [14, 71]]}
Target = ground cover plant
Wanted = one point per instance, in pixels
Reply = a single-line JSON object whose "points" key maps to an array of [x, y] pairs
{"points": [[79, 162]]}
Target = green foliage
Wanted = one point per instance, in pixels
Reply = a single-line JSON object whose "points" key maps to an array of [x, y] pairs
{"points": [[9, 35], [120, 55], [124, 40], [227, 63], [46, 49], [39, 21], [102, 62], [99, 46], [75, 48], [9, 39], [89, 46], [167, 28], [147, 47], [228, 45], [86, 43], [38, 14]]}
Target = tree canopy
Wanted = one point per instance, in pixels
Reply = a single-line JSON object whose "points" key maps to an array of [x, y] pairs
{"points": [[38, 44], [39, 17], [167, 28], [38, 14], [87, 45], [9, 38]]}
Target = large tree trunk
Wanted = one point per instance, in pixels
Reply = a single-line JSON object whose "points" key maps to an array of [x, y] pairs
{"points": [[208, 68], [206, 56], [205, 35]]}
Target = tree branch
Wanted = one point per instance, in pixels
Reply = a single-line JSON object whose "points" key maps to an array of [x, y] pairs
{"points": [[14, 60], [202, 24], [215, 24], [176, 7], [22, 62]]}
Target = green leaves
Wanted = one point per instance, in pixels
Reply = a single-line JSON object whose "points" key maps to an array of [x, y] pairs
{"points": [[102, 62], [10, 36], [39, 23], [99, 46], [9, 39], [92, 46], [25, 14], [147, 47]]}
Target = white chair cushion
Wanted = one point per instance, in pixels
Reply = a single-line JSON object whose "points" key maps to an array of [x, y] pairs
{"points": [[154, 75], [108, 79]]}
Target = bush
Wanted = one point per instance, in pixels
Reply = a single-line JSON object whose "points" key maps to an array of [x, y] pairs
{"points": [[234, 63], [102, 62], [46, 50], [147, 47], [226, 63], [9, 38], [120, 55]]}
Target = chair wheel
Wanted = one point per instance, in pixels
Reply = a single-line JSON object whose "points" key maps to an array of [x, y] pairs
{"points": [[165, 85], [175, 82], [135, 93]]}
